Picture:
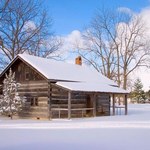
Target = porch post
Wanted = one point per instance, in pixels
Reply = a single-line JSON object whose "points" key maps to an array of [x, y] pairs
{"points": [[69, 105], [113, 106], [49, 101], [126, 104], [94, 105]]}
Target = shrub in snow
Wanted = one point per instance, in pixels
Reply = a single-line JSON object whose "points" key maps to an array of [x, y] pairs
{"points": [[10, 102]]}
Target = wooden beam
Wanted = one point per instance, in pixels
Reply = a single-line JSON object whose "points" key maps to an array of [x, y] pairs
{"points": [[94, 105], [49, 101], [69, 105], [126, 104], [113, 103], [109, 104]]}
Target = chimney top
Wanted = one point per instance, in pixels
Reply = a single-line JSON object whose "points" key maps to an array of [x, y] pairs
{"points": [[78, 60]]}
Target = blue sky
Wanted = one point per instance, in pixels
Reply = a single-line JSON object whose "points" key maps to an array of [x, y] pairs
{"points": [[69, 15]]}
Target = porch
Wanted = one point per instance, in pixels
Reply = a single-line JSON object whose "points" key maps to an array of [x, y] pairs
{"points": [[73, 104]]}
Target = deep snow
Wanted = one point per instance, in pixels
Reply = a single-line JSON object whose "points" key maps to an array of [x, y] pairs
{"points": [[131, 132]]}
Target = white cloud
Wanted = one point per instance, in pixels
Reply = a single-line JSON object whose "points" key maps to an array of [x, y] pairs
{"points": [[125, 10], [29, 25], [71, 41], [146, 18]]}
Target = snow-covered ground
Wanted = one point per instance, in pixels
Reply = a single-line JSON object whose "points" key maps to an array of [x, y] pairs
{"points": [[131, 132]]}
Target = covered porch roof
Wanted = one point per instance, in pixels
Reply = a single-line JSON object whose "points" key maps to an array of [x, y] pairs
{"points": [[92, 87]]}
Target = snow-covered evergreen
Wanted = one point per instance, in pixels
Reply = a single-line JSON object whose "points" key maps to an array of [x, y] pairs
{"points": [[10, 102], [138, 94]]}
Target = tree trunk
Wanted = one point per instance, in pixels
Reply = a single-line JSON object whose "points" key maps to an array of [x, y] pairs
{"points": [[125, 78]]}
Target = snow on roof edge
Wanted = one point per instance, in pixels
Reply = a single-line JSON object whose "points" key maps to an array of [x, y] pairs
{"points": [[82, 87]]}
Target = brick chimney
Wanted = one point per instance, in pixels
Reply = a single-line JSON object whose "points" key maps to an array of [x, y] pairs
{"points": [[78, 60]]}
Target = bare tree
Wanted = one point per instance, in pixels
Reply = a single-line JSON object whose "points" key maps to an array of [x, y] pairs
{"points": [[117, 44], [25, 27], [3, 5]]}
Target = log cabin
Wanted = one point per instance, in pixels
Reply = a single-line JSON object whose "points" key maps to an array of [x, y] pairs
{"points": [[55, 89]]}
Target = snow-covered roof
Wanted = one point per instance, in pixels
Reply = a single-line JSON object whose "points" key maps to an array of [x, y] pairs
{"points": [[81, 78], [72, 76], [61, 71], [90, 86]]}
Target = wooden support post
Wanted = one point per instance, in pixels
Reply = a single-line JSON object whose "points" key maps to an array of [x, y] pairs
{"points": [[49, 101], [69, 105], [109, 104], [94, 105], [126, 104], [113, 107]]}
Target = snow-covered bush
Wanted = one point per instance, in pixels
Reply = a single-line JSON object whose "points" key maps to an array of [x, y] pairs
{"points": [[10, 102]]}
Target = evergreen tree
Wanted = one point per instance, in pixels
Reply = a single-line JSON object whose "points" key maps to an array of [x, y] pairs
{"points": [[138, 94], [11, 102]]}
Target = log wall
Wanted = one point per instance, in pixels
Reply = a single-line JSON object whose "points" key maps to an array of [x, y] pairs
{"points": [[59, 99], [35, 111], [103, 104], [36, 105], [59, 103]]}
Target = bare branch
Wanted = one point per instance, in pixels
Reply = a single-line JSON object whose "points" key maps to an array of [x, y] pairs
{"points": [[25, 27]]}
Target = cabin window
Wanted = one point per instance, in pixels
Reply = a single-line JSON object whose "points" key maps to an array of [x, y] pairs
{"points": [[27, 75], [34, 101]]}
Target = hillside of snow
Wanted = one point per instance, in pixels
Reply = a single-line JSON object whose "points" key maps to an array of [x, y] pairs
{"points": [[131, 132]]}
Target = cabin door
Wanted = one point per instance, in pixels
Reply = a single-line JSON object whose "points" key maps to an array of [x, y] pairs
{"points": [[89, 104]]}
